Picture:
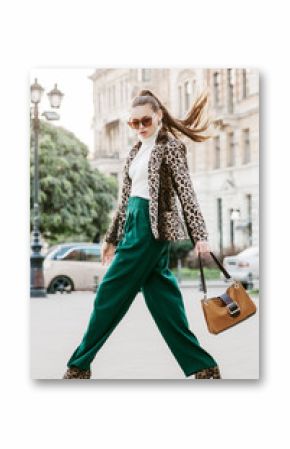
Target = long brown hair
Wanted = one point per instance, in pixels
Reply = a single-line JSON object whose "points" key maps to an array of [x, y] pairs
{"points": [[192, 125]]}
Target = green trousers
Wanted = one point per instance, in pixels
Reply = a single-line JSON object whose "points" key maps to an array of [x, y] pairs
{"points": [[140, 263]]}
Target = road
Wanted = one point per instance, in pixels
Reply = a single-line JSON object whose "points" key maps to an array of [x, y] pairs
{"points": [[135, 349]]}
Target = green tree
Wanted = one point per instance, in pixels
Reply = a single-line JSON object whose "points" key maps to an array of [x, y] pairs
{"points": [[75, 200]]}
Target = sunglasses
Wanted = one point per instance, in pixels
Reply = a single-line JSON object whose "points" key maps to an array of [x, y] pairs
{"points": [[146, 122]]}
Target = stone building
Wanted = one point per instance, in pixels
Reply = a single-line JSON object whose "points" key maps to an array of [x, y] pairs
{"points": [[227, 171]]}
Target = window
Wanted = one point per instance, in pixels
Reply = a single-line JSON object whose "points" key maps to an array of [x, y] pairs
{"points": [[113, 96], [103, 101], [74, 254], [250, 218], [126, 90], [59, 252], [216, 87], [83, 254], [244, 83], [121, 92], [220, 223], [146, 74], [99, 102], [107, 98], [231, 149], [92, 255], [187, 91], [217, 152], [180, 101], [230, 89], [246, 146], [193, 87]]}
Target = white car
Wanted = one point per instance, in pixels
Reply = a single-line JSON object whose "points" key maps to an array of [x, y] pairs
{"points": [[73, 266], [243, 267]]}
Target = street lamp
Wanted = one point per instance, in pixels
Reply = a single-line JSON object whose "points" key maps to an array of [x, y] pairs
{"points": [[37, 288], [55, 97], [36, 92], [235, 215]]}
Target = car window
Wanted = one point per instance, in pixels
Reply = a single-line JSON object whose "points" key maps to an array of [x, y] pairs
{"points": [[74, 254], [62, 250], [92, 254], [50, 250]]}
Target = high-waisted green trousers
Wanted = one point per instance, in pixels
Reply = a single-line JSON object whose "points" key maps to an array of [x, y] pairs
{"points": [[140, 263]]}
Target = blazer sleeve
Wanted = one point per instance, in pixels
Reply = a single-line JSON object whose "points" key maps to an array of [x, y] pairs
{"points": [[194, 219], [111, 234]]}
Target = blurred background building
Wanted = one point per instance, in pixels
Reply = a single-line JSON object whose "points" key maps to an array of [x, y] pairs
{"points": [[224, 170]]}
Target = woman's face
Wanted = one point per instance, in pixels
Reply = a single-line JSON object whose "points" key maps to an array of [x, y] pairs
{"points": [[139, 112]]}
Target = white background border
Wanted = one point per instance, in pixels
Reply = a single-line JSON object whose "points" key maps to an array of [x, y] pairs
{"points": [[161, 414]]}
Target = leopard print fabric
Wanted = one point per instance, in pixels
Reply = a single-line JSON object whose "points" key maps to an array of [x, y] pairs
{"points": [[176, 159], [73, 372], [209, 373], [173, 206]]}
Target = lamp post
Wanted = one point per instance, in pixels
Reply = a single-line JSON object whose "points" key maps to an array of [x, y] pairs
{"points": [[37, 288], [235, 215]]}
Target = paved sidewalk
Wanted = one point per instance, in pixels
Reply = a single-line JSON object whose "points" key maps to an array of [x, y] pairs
{"points": [[135, 349]]}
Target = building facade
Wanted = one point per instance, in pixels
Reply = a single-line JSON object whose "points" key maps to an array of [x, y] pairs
{"points": [[228, 169]]}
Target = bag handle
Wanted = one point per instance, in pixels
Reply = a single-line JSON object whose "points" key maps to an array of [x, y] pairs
{"points": [[221, 267]]}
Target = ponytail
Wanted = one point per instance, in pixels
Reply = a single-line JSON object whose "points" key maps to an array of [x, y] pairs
{"points": [[192, 125]]}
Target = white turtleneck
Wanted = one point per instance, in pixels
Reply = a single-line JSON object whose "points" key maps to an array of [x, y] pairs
{"points": [[138, 170]]}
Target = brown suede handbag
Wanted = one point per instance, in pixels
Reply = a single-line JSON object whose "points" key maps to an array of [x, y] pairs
{"points": [[228, 309]]}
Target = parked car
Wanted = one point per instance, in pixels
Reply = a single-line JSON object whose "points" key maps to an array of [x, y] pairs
{"points": [[73, 266], [243, 267]]}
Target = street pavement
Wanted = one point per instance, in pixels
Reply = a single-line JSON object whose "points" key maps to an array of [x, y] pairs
{"points": [[135, 349]]}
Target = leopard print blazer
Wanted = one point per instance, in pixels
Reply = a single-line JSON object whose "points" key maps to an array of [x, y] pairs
{"points": [[173, 206]]}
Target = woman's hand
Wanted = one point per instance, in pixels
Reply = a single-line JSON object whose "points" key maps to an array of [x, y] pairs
{"points": [[202, 246], [107, 252]]}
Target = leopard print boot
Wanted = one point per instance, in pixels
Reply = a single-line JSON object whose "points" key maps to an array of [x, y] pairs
{"points": [[73, 372], [209, 373]]}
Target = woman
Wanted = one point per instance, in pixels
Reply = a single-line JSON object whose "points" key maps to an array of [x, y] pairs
{"points": [[137, 243]]}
